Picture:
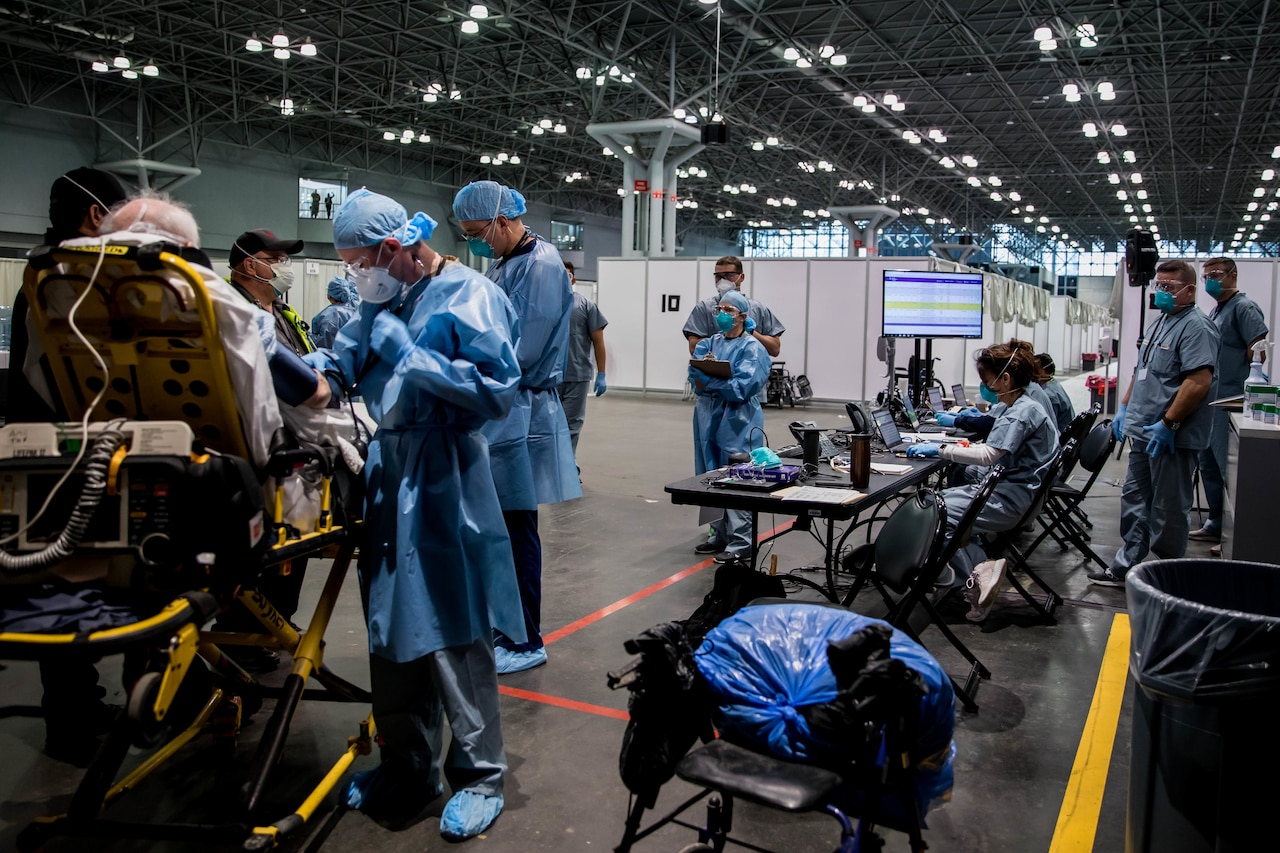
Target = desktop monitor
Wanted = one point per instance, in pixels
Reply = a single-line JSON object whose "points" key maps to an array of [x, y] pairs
{"points": [[957, 394], [923, 304]]}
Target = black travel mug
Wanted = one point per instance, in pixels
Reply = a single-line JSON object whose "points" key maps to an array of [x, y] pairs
{"points": [[860, 460]]}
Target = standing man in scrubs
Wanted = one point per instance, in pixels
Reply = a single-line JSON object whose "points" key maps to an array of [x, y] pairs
{"points": [[434, 356], [1168, 426], [531, 450]]}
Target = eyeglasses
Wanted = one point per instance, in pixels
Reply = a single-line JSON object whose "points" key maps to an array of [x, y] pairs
{"points": [[726, 276], [1219, 274], [732, 312], [1169, 285]]}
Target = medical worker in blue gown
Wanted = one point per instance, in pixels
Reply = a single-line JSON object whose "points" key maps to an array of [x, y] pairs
{"points": [[1024, 439], [531, 450], [335, 315], [727, 412], [434, 356]]}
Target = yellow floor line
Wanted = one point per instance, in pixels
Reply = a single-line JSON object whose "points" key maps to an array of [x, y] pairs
{"points": [[1078, 820]]}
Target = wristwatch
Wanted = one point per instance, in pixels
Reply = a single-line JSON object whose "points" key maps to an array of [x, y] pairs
{"points": [[1173, 425]]}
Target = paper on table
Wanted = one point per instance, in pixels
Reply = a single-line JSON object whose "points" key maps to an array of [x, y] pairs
{"points": [[817, 494], [889, 468]]}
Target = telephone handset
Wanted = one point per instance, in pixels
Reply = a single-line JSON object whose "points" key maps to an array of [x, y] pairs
{"points": [[860, 420], [826, 449], [901, 416]]}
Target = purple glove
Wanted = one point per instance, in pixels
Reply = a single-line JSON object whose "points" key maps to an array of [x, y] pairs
{"points": [[1162, 439], [926, 449], [389, 337]]}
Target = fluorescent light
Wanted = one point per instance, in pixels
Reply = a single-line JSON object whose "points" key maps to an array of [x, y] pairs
{"points": [[479, 11], [129, 74], [583, 73], [803, 63], [430, 97], [1048, 45], [994, 180], [279, 40], [772, 140], [1268, 174], [947, 163], [485, 158], [536, 131], [678, 112], [1113, 178], [974, 182], [868, 107], [757, 146], [1090, 129], [1104, 158], [1043, 33], [1135, 178], [100, 66], [1015, 196], [1087, 34], [515, 159], [560, 128], [970, 161], [388, 135], [120, 62], [307, 48], [826, 51], [150, 70], [1070, 89], [280, 53], [1142, 193], [997, 197], [1259, 192], [890, 99], [839, 59], [470, 27], [1119, 129], [455, 94], [252, 44], [1130, 156], [791, 54]]}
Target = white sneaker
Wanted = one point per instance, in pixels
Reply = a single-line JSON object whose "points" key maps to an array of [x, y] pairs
{"points": [[982, 587]]}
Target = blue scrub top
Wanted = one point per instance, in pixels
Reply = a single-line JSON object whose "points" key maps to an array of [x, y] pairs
{"points": [[532, 454], [728, 409], [702, 319], [436, 570], [1240, 323], [1060, 404], [1029, 437], [325, 325], [1176, 345]]}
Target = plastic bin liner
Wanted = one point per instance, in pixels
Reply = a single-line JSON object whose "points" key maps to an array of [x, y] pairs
{"points": [[1205, 629], [766, 661]]}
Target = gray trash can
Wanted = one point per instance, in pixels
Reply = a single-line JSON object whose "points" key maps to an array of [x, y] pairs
{"points": [[1204, 771]]}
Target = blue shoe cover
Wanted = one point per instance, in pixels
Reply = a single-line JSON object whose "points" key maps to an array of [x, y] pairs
{"points": [[467, 814], [377, 795], [508, 661]]}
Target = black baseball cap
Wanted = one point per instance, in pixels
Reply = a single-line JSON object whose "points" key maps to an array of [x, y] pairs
{"points": [[261, 240]]}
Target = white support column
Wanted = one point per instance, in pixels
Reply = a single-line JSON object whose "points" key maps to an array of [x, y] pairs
{"points": [[657, 195], [875, 215], [629, 210], [669, 211]]}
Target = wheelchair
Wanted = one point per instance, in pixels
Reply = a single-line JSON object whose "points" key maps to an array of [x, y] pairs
{"points": [[783, 389], [870, 736], [158, 486]]}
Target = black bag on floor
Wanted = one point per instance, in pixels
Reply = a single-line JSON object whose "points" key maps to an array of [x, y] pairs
{"points": [[736, 585]]}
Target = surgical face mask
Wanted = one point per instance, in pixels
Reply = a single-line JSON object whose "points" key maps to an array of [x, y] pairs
{"points": [[723, 286], [724, 321], [987, 394], [479, 247], [1213, 287], [374, 284], [1166, 302], [282, 278]]}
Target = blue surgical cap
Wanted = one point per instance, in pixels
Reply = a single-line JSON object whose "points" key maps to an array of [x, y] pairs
{"points": [[353, 295], [367, 218], [737, 300], [338, 288], [487, 200]]}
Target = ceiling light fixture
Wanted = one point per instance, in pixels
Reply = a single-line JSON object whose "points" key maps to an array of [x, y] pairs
{"points": [[839, 59], [470, 27], [1106, 91], [1087, 34], [1090, 129], [479, 11], [1071, 91], [1119, 129]]}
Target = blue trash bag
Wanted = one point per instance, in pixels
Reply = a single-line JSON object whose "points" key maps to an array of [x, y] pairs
{"points": [[766, 662]]}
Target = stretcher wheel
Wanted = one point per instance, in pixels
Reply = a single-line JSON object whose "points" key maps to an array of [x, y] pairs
{"points": [[141, 710]]}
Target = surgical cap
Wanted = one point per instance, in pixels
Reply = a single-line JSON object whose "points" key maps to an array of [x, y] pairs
{"points": [[737, 300], [353, 295], [338, 289], [487, 200], [367, 218]]}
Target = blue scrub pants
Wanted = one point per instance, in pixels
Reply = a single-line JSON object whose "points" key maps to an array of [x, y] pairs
{"points": [[998, 514], [1213, 467], [526, 548], [412, 700], [1155, 506], [573, 397], [733, 530]]}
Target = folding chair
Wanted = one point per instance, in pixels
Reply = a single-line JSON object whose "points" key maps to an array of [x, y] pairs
{"points": [[1076, 431], [1064, 499], [148, 315], [1003, 543], [907, 557]]}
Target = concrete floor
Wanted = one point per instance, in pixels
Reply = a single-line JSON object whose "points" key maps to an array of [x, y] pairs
{"points": [[563, 794]]}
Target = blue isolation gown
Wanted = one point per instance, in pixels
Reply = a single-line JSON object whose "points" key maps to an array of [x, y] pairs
{"points": [[531, 450], [437, 569], [728, 409], [325, 325]]}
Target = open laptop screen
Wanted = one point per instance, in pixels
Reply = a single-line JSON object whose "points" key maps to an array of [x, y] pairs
{"points": [[935, 398], [957, 393], [888, 429]]}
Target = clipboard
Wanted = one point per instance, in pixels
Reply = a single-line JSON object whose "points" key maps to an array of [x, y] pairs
{"points": [[713, 367]]}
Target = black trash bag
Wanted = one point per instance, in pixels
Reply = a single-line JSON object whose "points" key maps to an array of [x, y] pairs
{"points": [[874, 689], [669, 705], [736, 585]]}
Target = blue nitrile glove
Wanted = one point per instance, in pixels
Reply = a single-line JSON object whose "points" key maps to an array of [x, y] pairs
{"points": [[1117, 425], [926, 449], [971, 411], [946, 419], [601, 385], [1161, 439], [389, 337], [749, 326]]}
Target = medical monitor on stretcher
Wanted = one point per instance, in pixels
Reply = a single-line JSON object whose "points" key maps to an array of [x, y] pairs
{"points": [[924, 304]]}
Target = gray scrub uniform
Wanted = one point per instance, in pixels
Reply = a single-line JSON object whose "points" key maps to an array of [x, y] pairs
{"points": [[1155, 503], [580, 363]]}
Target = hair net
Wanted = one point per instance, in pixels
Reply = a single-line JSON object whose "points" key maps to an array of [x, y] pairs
{"points": [[338, 289], [737, 300], [487, 200], [353, 296], [367, 218]]}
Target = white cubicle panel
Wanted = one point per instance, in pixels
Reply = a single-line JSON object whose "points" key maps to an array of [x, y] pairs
{"points": [[837, 321], [783, 286], [622, 301], [672, 293], [1059, 333]]}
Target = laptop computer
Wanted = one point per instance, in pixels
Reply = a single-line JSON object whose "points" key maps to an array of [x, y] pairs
{"points": [[935, 398], [888, 429], [914, 417], [958, 397]]}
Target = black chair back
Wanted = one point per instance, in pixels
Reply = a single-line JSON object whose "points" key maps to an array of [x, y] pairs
{"points": [[1097, 447], [908, 539], [960, 536], [1067, 451], [1076, 431]]}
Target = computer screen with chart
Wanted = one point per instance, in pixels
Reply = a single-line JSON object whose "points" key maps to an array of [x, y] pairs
{"points": [[922, 304]]}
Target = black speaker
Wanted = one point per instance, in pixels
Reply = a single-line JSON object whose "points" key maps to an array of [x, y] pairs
{"points": [[715, 134], [1140, 257]]}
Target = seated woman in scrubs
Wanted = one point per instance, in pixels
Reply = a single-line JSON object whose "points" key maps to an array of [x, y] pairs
{"points": [[1024, 439]]}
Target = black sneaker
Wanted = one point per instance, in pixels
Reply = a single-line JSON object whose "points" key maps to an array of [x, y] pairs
{"points": [[707, 548], [730, 557], [1104, 577]]}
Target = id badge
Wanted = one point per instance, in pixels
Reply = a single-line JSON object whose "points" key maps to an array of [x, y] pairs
{"points": [[1142, 374]]}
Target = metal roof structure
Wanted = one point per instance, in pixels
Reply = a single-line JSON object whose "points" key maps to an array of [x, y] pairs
{"points": [[989, 124]]}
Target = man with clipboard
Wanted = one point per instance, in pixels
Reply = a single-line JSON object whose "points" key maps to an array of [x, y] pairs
{"points": [[727, 372]]}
